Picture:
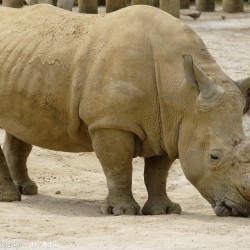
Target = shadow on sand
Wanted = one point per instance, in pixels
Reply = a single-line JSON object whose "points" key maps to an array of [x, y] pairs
{"points": [[62, 206]]}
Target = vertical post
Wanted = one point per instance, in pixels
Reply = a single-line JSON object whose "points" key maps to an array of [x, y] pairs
{"points": [[146, 2], [46, 1], [233, 6], [101, 2], [185, 4], [205, 5], [31, 2], [112, 5], [171, 6], [87, 6], [65, 4], [13, 3], [157, 4]]}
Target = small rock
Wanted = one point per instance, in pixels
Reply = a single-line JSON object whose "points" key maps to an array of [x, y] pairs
{"points": [[58, 192]]}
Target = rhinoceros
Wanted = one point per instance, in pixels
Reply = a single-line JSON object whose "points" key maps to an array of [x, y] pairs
{"points": [[136, 82]]}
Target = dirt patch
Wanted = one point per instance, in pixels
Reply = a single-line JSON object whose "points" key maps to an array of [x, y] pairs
{"points": [[65, 214]]}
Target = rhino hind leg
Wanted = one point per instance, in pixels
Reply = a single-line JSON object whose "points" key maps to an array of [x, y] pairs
{"points": [[8, 190], [155, 176], [16, 153], [115, 150]]}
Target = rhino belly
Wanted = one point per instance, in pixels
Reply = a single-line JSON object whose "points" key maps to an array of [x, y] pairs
{"points": [[41, 124]]}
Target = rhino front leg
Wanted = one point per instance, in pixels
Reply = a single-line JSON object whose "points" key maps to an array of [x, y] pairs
{"points": [[16, 153], [115, 151], [155, 176]]}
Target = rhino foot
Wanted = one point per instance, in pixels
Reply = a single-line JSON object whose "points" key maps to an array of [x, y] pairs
{"points": [[8, 193], [27, 187], [229, 208], [161, 207], [118, 207]]}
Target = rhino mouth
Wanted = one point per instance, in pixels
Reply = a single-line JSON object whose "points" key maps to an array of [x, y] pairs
{"points": [[230, 208]]}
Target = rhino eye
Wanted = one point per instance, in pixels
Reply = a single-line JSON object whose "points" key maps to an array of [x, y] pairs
{"points": [[214, 157]]}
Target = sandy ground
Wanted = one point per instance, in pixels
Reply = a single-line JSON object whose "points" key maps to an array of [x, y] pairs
{"points": [[71, 219]]}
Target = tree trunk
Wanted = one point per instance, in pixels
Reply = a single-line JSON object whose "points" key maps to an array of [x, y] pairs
{"points": [[205, 5], [13, 3], [147, 2], [113, 5], [233, 6], [87, 6], [185, 4], [171, 6]]}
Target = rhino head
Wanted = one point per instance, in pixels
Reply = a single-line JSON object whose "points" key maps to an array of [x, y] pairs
{"points": [[213, 150]]}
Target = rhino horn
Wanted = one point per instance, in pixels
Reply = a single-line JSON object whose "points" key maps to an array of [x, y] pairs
{"points": [[195, 76]]}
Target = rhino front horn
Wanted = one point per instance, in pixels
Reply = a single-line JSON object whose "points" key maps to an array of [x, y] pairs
{"points": [[197, 78]]}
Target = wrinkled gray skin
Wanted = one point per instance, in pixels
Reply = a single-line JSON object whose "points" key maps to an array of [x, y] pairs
{"points": [[125, 87]]}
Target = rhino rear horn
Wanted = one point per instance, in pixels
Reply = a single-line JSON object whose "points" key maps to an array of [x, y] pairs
{"points": [[244, 86], [197, 78]]}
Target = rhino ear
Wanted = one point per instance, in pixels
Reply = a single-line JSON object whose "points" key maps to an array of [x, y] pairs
{"points": [[197, 78], [189, 70], [244, 86]]}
